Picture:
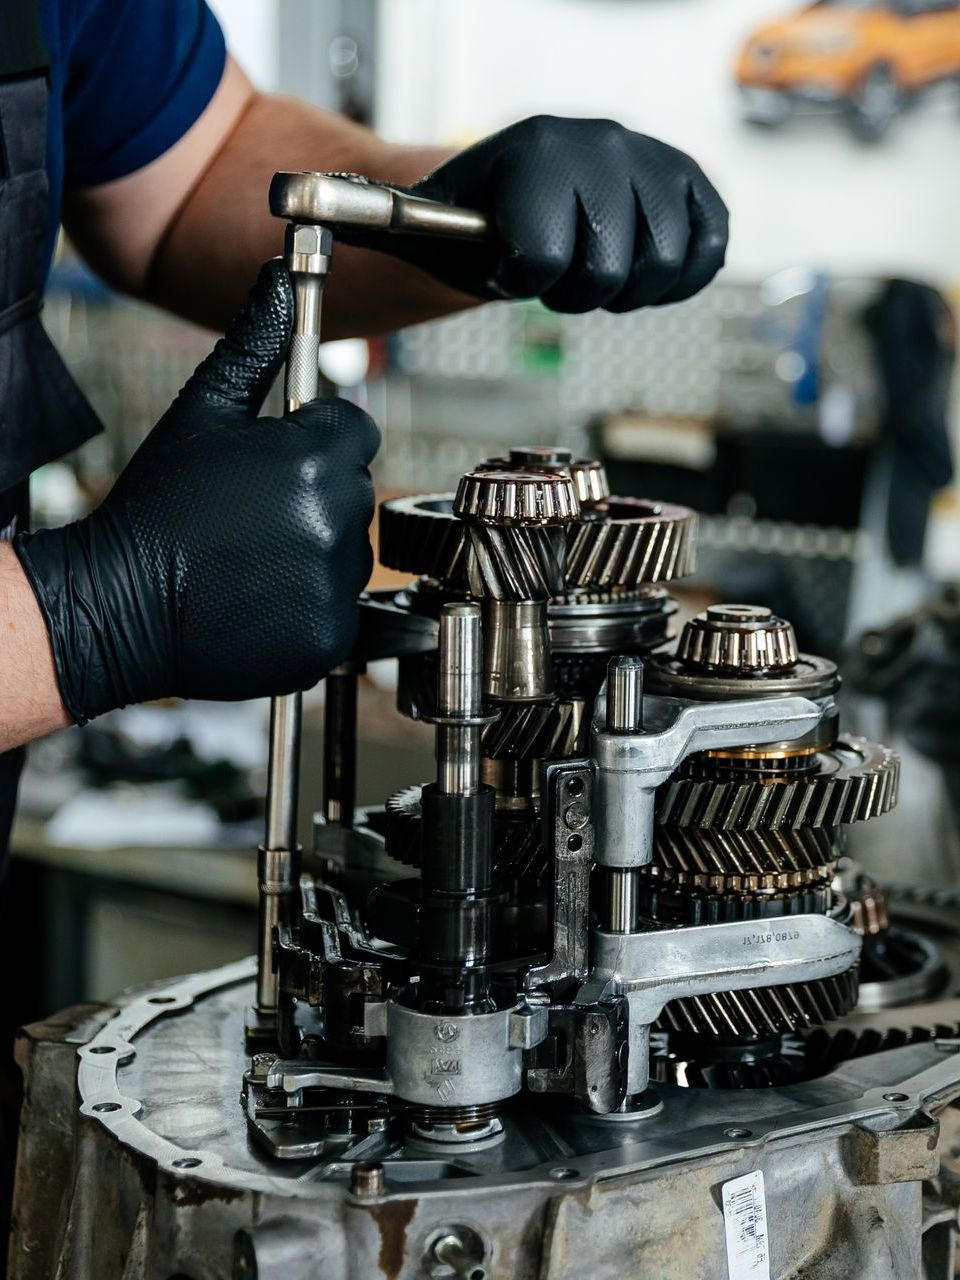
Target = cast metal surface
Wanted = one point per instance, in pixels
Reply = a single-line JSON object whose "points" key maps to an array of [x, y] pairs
{"points": [[152, 1175]]}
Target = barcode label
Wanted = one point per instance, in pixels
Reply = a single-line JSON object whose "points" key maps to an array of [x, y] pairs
{"points": [[745, 1223]]}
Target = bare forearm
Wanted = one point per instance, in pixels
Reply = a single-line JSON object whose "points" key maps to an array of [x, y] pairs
{"points": [[30, 705], [214, 247]]}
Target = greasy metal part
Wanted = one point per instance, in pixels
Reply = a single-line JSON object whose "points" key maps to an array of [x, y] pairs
{"points": [[809, 677], [422, 535], [459, 704], [517, 666], [277, 871], [626, 543], [708, 852], [516, 498], [350, 200], [631, 767], [568, 831], [590, 482], [283, 773], [635, 542], [340, 745], [738, 639], [144, 1178], [625, 695], [622, 885], [854, 781], [464, 1262]]}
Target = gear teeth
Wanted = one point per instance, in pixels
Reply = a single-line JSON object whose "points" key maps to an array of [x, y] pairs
{"points": [[640, 542], [421, 535], [518, 847], [516, 562], [763, 1011], [539, 731], [862, 784], [744, 853], [637, 543], [697, 900], [402, 833]]}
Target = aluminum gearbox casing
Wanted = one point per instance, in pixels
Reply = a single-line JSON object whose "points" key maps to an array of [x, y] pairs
{"points": [[166, 1184]]}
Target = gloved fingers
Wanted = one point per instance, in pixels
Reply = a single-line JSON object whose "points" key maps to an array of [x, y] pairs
{"points": [[536, 226], [660, 250], [342, 430], [603, 253], [707, 247], [240, 370]]}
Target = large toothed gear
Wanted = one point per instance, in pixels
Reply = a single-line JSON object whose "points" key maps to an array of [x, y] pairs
{"points": [[696, 851], [762, 1011], [627, 543], [636, 542], [852, 781], [695, 900], [421, 535], [540, 731]]}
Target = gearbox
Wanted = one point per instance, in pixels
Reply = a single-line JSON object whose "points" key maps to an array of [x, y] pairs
{"points": [[603, 996]]}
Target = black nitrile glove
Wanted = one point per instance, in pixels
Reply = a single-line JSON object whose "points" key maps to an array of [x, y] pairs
{"points": [[586, 214], [227, 559]]}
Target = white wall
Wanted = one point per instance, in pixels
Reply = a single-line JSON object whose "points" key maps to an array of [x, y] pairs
{"points": [[455, 69], [250, 27]]}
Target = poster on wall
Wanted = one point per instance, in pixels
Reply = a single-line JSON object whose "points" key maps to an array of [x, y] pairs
{"points": [[865, 61]]}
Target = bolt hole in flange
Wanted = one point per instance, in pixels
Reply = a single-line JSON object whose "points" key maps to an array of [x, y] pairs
{"points": [[737, 1132], [102, 1048], [564, 1174], [575, 787], [101, 1107], [188, 1162], [162, 1000], [896, 1097], [575, 843]]}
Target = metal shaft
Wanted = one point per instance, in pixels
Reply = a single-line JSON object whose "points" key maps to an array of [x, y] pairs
{"points": [[340, 746], [624, 715], [308, 261], [625, 694], [461, 669], [622, 884]]}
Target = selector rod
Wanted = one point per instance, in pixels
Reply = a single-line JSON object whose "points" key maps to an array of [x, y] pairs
{"points": [[624, 715]]}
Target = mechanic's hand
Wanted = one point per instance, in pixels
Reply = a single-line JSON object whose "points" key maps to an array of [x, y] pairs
{"points": [[227, 559], [586, 214]]}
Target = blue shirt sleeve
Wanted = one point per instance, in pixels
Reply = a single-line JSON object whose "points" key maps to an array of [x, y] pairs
{"points": [[137, 74]]}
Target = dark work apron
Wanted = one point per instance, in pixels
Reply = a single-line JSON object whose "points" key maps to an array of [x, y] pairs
{"points": [[43, 413]]}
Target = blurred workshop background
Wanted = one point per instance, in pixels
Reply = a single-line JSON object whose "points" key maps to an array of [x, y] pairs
{"points": [[805, 403]]}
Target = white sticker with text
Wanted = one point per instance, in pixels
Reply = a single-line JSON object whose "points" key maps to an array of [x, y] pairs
{"points": [[745, 1223]]}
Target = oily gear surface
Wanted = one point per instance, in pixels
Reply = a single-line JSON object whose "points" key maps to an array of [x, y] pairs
{"points": [[586, 214], [227, 559]]}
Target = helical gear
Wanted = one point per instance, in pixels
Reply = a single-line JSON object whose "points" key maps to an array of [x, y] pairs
{"points": [[762, 1011], [854, 781], [632, 544], [744, 853]]}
